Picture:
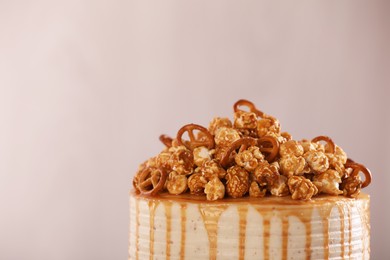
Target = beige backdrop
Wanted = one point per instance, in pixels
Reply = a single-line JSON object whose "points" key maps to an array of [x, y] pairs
{"points": [[87, 86]]}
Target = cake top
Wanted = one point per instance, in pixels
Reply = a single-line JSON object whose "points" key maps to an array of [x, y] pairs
{"points": [[249, 156]]}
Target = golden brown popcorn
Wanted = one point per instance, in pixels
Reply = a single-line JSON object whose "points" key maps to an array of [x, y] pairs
{"points": [[245, 120], [220, 152], [201, 155], [311, 146], [318, 161], [215, 189], [268, 124], [287, 136], [162, 160], [197, 183], [225, 136], [181, 160], [219, 122], [237, 181], [279, 186], [291, 148], [176, 183], [249, 158], [336, 159], [301, 188], [266, 173], [211, 169], [255, 190], [328, 182], [351, 186], [292, 165]]}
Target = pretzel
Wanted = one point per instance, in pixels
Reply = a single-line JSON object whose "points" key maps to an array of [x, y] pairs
{"points": [[272, 150], [151, 180], [356, 169], [207, 140], [248, 104], [166, 140], [326, 139], [240, 144]]}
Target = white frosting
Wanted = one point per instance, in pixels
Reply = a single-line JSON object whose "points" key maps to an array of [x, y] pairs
{"points": [[338, 229]]}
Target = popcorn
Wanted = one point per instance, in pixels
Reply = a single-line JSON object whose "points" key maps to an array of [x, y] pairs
{"points": [[249, 157], [214, 189], [301, 188], [237, 181]]}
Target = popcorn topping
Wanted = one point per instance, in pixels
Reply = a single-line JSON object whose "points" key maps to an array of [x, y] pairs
{"points": [[249, 157]]}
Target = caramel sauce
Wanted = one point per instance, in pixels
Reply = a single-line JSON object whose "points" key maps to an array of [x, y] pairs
{"points": [[168, 216], [183, 211], [152, 211], [211, 215], [212, 211], [242, 212]]}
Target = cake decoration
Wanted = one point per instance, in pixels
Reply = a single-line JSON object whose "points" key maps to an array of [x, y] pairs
{"points": [[249, 156]]}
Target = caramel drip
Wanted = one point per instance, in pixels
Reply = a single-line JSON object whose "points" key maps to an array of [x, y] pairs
{"points": [[307, 223], [242, 211], [350, 230], [137, 229], [342, 229], [325, 211], [266, 232], [284, 236], [152, 211], [211, 215], [168, 216], [183, 231]]}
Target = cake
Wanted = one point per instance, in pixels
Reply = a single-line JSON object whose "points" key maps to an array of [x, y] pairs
{"points": [[243, 189]]}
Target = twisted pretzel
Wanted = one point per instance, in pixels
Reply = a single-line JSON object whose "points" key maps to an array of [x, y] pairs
{"points": [[206, 140], [356, 169], [270, 146], [166, 140], [240, 144], [151, 180], [326, 139], [249, 105]]}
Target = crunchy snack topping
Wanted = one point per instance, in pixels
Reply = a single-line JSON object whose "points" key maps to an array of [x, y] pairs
{"points": [[249, 156]]}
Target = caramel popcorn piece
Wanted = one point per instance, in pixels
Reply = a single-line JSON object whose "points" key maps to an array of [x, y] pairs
{"points": [[255, 191], [351, 186], [292, 165], [176, 183], [279, 186], [245, 120], [266, 173], [249, 158], [214, 189], [267, 125], [181, 160], [301, 188], [318, 161], [226, 135], [291, 148], [219, 122], [237, 181], [196, 183], [201, 155], [328, 182], [211, 169]]}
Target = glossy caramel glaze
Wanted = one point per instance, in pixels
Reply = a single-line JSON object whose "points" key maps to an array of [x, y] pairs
{"points": [[316, 216]]}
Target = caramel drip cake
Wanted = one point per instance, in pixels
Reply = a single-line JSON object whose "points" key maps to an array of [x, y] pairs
{"points": [[243, 189]]}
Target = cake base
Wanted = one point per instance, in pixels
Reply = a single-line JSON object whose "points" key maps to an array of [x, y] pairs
{"points": [[190, 227]]}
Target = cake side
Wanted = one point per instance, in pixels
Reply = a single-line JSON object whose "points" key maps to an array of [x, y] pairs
{"points": [[327, 227]]}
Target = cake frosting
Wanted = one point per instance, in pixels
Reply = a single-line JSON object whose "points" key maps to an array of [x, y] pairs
{"points": [[243, 189]]}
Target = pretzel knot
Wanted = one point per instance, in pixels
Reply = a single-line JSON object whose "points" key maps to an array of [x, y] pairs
{"points": [[356, 169], [151, 180], [206, 138], [326, 139], [249, 105], [240, 145], [166, 140], [269, 146]]}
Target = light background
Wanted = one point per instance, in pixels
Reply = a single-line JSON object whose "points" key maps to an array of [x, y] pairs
{"points": [[87, 86]]}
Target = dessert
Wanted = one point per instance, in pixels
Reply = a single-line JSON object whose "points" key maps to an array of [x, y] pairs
{"points": [[243, 189]]}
